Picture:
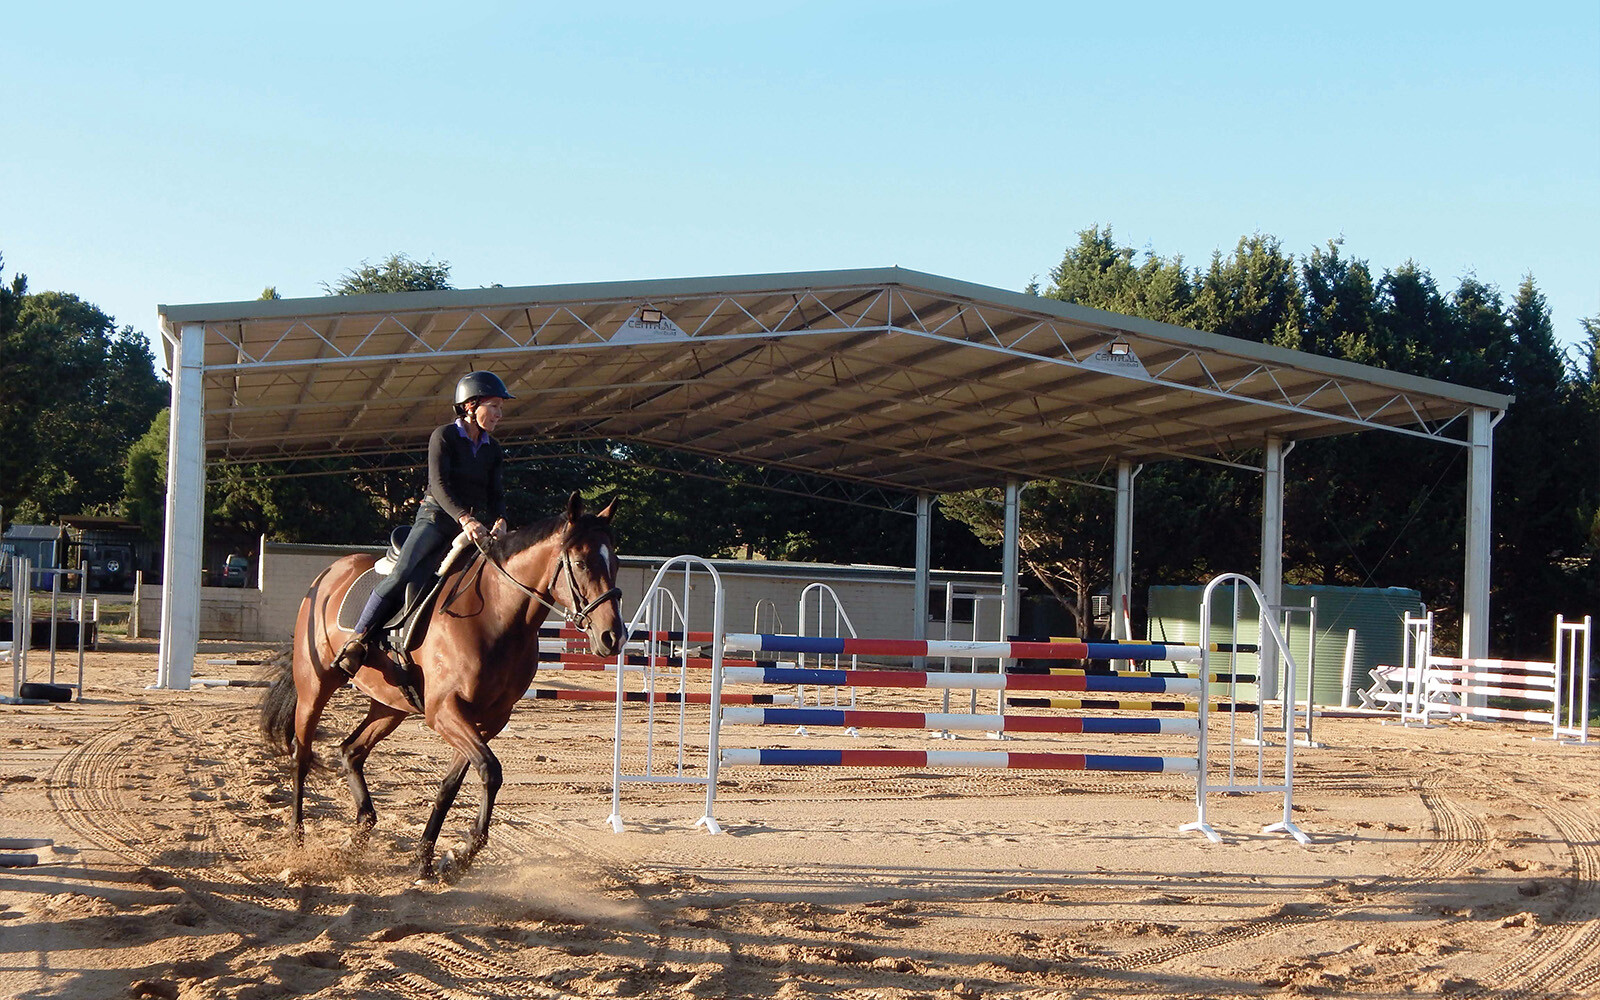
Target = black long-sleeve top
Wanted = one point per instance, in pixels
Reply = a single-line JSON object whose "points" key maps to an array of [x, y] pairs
{"points": [[463, 480]]}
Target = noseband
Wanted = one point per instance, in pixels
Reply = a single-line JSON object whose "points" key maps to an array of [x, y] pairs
{"points": [[577, 617]]}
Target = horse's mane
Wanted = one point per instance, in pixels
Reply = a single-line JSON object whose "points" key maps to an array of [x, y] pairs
{"points": [[530, 535]]}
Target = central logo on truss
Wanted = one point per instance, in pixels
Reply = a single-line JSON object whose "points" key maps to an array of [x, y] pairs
{"points": [[1117, 357], [647, 326]]}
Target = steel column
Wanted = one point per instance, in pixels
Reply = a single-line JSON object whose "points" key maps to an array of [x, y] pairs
{"points": [[1011, 605], [186, 489], [1271, 555], [1122, 552], [1480, 492], [919, 599]]}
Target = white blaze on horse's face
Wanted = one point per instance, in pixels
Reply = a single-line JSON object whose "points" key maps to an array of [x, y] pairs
{"points": [[599, 570]]}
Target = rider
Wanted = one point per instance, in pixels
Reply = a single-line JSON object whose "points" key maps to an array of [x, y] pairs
{"points": [[464, 492]]}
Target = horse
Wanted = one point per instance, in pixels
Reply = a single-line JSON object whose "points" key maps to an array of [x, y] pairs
{"points": [[475, 661]]}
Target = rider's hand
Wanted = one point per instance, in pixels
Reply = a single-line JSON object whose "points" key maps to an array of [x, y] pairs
{"points": [[499, 529], [474, 529]]}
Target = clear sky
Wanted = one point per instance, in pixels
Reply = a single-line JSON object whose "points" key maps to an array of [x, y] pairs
{"points": [[175, 153]]}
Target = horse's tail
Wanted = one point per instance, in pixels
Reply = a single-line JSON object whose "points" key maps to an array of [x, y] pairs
{"points": [[278, 704]]}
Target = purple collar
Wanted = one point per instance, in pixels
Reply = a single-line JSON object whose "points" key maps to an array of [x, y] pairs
{"points": [[461, 427]]}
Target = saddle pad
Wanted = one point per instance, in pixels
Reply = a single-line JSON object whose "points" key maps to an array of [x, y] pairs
{"points": [[356, 598]]}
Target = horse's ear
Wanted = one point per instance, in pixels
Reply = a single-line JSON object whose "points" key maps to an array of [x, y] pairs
{"points": [[610, 508], [574, 507]]}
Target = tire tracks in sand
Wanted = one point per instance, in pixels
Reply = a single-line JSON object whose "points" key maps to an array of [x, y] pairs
{"points": [[1461, 839], [1565, 956]]}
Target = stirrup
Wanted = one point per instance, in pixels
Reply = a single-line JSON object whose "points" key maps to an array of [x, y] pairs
{"points": [[352, 656]]}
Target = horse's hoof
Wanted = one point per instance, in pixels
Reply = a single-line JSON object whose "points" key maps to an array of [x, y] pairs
{"points": [[451, 867]]}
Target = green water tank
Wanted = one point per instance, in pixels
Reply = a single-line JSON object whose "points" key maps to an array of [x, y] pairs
{"points": [[1375, 613]]}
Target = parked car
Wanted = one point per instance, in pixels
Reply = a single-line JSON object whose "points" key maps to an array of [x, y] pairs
{"points": [[236, 571], [111, 568]]}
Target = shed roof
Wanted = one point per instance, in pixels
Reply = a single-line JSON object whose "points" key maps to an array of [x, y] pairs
{"points": [[34, 532], [883, 377]]}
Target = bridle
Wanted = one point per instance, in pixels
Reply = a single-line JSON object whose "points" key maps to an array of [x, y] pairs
{"points": [[578, 617]]}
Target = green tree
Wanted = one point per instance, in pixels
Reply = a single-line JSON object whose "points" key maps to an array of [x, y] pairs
{"points": [[1254, 294], [1368, 509], [1064, 535], [1100, 273], [24, 357], [1536, 526], [287, 500], [1340, 306], [78, 392], [144, 477], [252, 499], [1585, 389], [1413, 320], [397, 273]]}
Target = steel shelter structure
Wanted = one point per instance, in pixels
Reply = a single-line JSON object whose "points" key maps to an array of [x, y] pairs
{"points": [[877, 386]]}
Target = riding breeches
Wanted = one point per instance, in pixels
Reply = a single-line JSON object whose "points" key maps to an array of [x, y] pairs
{"points": [[424, 547]]}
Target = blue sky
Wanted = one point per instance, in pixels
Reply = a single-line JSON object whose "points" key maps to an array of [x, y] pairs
{"points": [[197, 153]]}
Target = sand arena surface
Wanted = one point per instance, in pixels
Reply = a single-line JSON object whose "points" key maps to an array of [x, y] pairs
{"points": [[1461, 861]]}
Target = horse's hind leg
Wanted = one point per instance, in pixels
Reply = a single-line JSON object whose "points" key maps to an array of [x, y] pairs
{"points": [[306, 716], [381, 720], [447, 797]]}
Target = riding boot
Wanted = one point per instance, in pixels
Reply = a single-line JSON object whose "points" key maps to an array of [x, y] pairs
{"points": [[352, 655]]}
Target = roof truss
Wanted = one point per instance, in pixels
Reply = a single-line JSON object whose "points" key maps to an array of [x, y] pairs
{"points": [[890, 381]]}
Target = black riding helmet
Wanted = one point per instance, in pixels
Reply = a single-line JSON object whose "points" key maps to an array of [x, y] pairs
{"points": [[477, 385]]}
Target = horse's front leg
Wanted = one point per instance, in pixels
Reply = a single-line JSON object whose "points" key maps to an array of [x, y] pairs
{"points": [[451, 724], [441, 805], [490, 774]]}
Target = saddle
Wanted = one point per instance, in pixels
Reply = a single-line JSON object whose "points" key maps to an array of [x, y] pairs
{"points": [[406, 627]]}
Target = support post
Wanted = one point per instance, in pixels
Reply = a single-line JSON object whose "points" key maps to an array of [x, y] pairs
{"points": [[134, 624], [1011, 606], [1480, 490], [1122, 553], [924, 560], [1271, 559], [186, 487]]}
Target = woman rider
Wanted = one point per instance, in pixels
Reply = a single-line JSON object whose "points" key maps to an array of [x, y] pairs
{"points": [[464, 492]]}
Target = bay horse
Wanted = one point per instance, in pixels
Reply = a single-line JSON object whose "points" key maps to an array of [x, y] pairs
{"points": [[475, 661]]}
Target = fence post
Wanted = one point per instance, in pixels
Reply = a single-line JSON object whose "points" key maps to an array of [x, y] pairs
{"points": [[133, 612]]}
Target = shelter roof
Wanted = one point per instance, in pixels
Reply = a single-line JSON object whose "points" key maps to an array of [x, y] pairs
{"points": [[882, 377], [34, 532]]}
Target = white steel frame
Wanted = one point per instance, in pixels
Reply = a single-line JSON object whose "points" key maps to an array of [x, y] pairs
{"points": [[798, 330]]}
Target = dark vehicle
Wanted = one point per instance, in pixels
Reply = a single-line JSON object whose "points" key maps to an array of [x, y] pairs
{"points": [[110, 567], [236, 571]]}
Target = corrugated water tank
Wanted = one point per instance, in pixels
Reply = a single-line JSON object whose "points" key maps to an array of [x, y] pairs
{"points": [[1376, 613]]}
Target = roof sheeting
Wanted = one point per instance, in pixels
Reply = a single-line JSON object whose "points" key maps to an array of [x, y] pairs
{"points": [[887, 377]]}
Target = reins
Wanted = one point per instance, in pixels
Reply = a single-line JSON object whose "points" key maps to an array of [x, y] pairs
{"points": [[578, 617]]}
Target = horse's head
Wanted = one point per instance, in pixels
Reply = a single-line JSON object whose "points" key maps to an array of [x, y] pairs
{"points": [[575, 560], [590, 555]]}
